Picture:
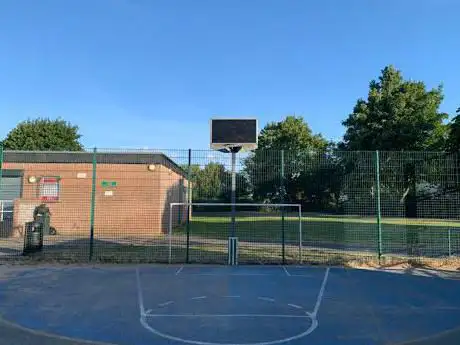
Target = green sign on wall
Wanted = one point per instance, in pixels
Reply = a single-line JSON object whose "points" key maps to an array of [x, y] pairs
{"points": [[107, 184]]}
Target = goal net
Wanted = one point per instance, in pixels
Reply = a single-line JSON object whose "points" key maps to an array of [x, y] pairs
{"points": [[265, 233]]}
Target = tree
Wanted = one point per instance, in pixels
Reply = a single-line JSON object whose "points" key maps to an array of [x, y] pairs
{"points": [[453, 143], [293, 133], [289, 147], [397, 115], [242, 190], [207, 181], [43, 134], [212, 183]]}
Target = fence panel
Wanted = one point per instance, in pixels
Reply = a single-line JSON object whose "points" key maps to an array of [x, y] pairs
{"points": [[339, 222], [133, 191], [420, 203], [210, 226], [62, 182], [356, 205]]}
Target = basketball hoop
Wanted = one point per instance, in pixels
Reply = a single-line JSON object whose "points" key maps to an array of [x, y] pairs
{"points": [[230, 149], [232, 136]]}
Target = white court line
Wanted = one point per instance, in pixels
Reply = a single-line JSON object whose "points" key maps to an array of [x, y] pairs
{"points": [[295, 306], [179, 270], [231, 274], [312, 316], [145, 324], [139, 293], [232, 315], [164, 304], [320, 294], [286, 271], [236, 296], [266, 299], [199, 297]]}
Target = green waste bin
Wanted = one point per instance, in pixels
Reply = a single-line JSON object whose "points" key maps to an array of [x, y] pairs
{"points": [[33, 239]]}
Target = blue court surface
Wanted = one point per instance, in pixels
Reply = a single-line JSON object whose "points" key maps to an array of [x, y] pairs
{"points": [[207, 305]]}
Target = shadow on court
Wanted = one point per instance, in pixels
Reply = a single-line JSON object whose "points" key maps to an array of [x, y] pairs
{"points": [[134, 250], [206, 305]]}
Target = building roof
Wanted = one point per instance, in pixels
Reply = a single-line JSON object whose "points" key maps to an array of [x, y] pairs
{"points": [[87, 157]]}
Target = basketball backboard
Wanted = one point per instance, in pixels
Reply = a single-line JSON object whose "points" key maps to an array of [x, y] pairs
{"points": [[233, 133]]}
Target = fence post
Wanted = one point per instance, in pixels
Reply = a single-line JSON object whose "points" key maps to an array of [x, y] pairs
{"points": [[282, 210], [189, 200], [179, 209], [449, 240], [300, 234], [378, 205], [93, 204], [171, 205], [1, 172], [457, 178]]}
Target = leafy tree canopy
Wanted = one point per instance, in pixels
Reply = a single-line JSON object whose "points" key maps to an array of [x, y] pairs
{"points": [[293, 133], [45, 135], [269, 180], [212, 182], [397, 115], [453, 143]]}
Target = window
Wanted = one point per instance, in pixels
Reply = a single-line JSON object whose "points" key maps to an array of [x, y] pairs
{"points": [[48, 189]]}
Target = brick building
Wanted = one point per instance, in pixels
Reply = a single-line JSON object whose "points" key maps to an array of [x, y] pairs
{"points": [[132, 191]]}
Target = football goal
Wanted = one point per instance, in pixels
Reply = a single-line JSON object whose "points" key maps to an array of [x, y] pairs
{"points": [[235, 233]]}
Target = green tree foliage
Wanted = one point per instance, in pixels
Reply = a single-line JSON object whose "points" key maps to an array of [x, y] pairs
{"points": [[397, 115], [243, 188], [44, 135], [213, 183], [305, 155], [453, 143], [293, 133], [207, 181], [453, 146]]}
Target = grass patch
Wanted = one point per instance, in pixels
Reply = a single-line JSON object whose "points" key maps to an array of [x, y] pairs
{"points": [[325, 240], [414, 236]]}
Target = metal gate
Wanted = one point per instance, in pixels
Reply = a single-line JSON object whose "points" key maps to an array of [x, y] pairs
{"points": [[10, 189]]}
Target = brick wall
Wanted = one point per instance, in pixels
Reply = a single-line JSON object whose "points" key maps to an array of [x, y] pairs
{"points": [[71, 213], [173, 188], [135, 206]]}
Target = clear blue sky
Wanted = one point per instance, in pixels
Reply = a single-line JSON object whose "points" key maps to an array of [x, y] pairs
{"points": [[150, 73]]}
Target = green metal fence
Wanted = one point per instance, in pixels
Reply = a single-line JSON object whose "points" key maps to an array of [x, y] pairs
{"points": [[113, 205]]}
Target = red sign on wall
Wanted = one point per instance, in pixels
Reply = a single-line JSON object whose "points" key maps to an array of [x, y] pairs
{"points": [[49, 189]]}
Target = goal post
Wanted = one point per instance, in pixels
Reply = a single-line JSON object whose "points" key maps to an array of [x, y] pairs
{"points": [[256, 232]]}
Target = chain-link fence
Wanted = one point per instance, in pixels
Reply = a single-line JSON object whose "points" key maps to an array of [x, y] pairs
{"points": [[114, 206]]}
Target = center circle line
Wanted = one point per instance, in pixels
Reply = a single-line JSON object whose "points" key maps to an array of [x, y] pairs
{"points": [[306, 316], [309, 330]]}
